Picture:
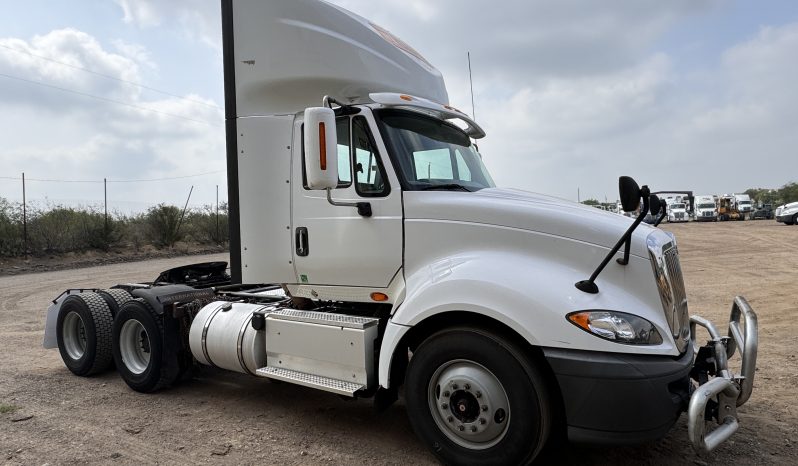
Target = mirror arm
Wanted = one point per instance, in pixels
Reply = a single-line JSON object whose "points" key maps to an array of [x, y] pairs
{"points": [[589, 285], [363, 208]]}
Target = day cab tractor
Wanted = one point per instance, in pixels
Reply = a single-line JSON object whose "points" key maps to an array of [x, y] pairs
{"points": [[371, 250]]}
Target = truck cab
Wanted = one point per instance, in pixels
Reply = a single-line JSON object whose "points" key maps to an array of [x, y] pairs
{"points": [[705, 209], [744, 205], [677, 212]]}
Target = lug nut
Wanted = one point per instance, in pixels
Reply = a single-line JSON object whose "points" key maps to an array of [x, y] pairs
{"points": [[461, 428], [454, 386], [468, 386], [446, 394], [445, 406], [473, 428], [484, 407], [479, 394], [482, 420], [450, 419]]}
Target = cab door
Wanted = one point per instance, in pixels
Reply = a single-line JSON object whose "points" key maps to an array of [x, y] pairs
{"points": [[334, 245]]}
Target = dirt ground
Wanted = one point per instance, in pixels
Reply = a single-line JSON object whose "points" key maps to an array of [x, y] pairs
{"points": [[221, 417]]}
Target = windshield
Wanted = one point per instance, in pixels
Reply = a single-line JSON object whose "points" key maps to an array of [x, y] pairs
{"points": [[432, 154], [745, 202], [677, 206], [706, 206]]}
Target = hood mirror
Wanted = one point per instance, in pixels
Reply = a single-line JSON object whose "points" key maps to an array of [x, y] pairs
{"points": [[655, 205], [629, 192]]}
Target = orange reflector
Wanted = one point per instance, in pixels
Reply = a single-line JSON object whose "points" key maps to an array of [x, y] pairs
{"points": [[582, 319], [322, 146], [405, 97], [376, 296]]}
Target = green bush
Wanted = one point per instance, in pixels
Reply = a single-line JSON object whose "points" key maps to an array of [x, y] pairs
{"points": [[163, 222], [57, 229], [206, 227]]}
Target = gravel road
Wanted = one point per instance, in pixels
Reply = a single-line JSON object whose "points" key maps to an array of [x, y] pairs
{"points": [[221, 417]]}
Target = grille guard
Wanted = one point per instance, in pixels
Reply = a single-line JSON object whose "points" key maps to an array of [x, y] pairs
{"points": [[726, 389]]}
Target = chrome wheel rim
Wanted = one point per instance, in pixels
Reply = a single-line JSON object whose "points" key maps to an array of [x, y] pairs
{"points": [[469, 404], [134, 346], [74, 335]]}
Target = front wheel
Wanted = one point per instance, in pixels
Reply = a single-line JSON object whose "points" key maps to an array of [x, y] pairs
{"points": [[474, 398]]}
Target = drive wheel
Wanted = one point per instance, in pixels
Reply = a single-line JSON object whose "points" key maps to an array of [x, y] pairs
{"points": [[138, 347], [115, 298], [83, 331], [474, 398]]}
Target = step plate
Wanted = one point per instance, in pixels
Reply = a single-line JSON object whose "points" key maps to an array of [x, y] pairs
{"points": [[341, 387], [324, 318]]}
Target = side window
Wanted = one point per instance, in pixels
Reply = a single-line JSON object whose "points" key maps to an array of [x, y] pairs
{"points": [[369, 178], [344, 164]]}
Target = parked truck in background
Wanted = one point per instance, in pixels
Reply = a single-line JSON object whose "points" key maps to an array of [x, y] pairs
{"points": [[744, 205], [677, 211], [705, 209], [787, 213], [372, 250]]}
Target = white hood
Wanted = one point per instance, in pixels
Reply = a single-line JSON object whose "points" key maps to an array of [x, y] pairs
{"points": [[527, 211]]}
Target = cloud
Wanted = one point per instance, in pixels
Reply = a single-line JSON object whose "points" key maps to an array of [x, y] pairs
{"points": [[198, 20], [64, 122]]}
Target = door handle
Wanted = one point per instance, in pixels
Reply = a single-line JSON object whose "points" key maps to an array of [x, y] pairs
{"points": [[301, 240]]}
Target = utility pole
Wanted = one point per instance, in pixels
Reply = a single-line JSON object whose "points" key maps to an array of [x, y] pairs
{"points": [[24, 217], [218, 237]]}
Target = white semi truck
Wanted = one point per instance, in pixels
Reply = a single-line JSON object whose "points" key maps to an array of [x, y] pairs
{"points": [[371, 250], [705, 209], [677, 211], [744, 206]]}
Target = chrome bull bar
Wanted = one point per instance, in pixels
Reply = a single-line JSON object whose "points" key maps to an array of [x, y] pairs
{"points": [[726, 389]]}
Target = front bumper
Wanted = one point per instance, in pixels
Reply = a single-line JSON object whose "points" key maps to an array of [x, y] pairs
{"points": [[784, 218], [617, 398], [620, 399]]}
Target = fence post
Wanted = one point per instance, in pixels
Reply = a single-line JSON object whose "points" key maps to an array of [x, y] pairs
{"points": [[218, 237], [24, 217], [105, 196]]}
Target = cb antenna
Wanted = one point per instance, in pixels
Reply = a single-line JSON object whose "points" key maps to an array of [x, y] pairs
{"points": [[471, 84]]}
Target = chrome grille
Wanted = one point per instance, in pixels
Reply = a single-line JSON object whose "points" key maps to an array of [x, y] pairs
{"points": [[670, 283]]}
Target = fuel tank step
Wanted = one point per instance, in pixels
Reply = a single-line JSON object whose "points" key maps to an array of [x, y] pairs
{"points": [[327, 384]]}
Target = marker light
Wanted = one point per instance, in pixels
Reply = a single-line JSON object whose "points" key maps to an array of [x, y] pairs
{"points": [[322, 146], [405, 97], [377, 296], [618, 327]]}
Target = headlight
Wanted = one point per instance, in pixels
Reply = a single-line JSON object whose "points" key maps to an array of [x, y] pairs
{"points": [[619, 327]]}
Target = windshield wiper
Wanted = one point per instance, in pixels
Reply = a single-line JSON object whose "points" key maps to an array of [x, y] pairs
{"points": [[447, 187]]}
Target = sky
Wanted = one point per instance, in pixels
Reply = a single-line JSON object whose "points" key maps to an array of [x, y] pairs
{"points": [[695, 95]]}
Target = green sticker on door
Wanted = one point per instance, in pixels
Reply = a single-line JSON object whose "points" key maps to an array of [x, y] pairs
{"points": [[303, 278]]}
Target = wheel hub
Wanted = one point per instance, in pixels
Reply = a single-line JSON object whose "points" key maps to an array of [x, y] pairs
{"points": [[469, 404], [134, 346], [74, 335]]}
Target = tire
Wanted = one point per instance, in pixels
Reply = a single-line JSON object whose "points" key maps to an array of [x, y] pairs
{"points": [[477, 372], [794, 220], [139, 352], [83, 331], [115, 298]]}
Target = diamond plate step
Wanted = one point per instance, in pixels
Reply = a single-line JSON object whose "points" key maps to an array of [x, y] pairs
{"points": [[341, 387], [324, 318]]}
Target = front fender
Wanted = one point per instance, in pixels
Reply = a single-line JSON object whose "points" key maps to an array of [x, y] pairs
{"points": [[525, 280]]}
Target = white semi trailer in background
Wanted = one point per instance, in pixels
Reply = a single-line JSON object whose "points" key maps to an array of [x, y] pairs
{"points": [[371, 250], [677, 211]]}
